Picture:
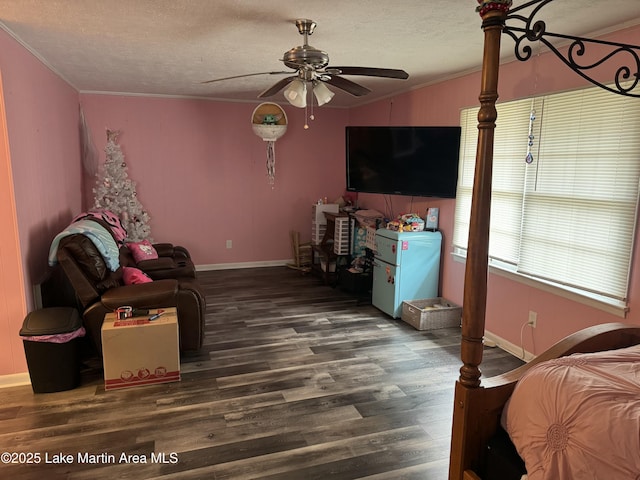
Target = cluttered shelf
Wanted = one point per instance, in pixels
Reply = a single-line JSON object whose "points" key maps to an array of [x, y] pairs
{"points": [[332, 253], [338, 245], [386, 263]]}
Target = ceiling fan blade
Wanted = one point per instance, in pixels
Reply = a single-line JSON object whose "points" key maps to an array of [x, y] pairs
{"points": [[246, 75], [347, 85], [277, 87], [370, 72]]}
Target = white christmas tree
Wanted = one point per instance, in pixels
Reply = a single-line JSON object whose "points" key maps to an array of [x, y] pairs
{"points": [[114, 191]]}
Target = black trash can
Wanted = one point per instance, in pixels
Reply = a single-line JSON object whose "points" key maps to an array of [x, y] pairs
{"points": [[50, 337]]}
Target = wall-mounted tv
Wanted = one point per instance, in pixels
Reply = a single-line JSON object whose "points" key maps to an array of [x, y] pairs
{"points": [[418, 161]]}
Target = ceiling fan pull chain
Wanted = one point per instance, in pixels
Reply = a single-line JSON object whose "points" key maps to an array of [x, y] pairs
{"points": [[306, 123], [312, 116]]}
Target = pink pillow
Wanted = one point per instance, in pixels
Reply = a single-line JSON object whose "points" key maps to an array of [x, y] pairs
{"points": [[133, 276], [142, 250]]}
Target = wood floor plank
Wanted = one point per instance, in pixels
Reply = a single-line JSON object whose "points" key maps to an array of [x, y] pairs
{"points": [[296, 380]]}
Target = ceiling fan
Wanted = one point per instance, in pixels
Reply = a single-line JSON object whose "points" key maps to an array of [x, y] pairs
{"points": [[311, 69]]}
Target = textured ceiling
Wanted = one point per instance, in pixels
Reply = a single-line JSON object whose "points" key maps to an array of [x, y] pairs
{"points": [[169, 47]]}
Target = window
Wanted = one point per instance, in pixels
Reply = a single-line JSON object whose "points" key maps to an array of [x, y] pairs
{"points": [[569, 216]]}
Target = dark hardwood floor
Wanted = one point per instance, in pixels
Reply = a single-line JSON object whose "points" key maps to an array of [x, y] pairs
{"points": [[296, 381]]}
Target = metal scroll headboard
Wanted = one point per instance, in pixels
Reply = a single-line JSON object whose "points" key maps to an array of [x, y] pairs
{"points": [[626, 57]]}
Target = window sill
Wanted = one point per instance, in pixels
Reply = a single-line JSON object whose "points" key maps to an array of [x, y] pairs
{"points": [[618, 309]]}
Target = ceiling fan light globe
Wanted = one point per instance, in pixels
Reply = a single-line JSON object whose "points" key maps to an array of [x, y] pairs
{"points": [[296, 93], [322, 93]]}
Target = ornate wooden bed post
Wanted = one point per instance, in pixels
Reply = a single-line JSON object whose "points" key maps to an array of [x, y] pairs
{"points": [[465, 433]]}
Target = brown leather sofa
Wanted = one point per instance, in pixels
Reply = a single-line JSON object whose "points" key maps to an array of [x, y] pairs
{"points": [[173, 261], [100, 291]]}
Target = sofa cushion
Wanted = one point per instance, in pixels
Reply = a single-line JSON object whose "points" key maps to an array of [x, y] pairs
{"points": [[133, 276], [86, 268], [142, 250], [86, 255]]}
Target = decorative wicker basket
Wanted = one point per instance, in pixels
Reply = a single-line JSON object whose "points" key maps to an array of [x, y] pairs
{"points": [[431, 313]]}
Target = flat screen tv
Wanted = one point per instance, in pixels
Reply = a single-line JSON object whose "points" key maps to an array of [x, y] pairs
{"points": [[416, 161]]}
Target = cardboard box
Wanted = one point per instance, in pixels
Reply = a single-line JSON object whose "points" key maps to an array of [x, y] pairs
{"points": [[432, 218], [137, 351]]}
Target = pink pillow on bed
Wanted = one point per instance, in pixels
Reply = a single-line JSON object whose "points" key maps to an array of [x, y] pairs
{"points": [[142, 250], [133, 276]]}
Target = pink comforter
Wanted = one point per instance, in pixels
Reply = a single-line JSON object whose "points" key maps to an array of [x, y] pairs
{"points": [[578, 417]]}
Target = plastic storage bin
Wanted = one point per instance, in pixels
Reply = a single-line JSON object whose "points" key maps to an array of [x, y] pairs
{"points": [[50, 338]]}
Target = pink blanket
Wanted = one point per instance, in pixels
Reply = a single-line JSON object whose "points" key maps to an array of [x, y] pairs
{"points": [[117, 229], [578, 417]]}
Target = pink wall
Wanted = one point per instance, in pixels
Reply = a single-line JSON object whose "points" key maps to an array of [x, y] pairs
{"points": [[437, 105], [12, 298], [42, 123], [201, 173], [508, 302]]}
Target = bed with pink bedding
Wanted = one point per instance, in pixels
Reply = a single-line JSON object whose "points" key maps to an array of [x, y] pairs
{"points": [[572, 413], [574, 418], [578, 417]]}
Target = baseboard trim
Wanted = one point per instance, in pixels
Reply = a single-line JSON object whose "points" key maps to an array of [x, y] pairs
{"points": [[515, 350], [15, 380], [232, 266]]}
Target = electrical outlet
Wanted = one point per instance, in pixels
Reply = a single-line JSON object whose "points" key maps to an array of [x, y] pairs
{"points": [[533, 319], [229, 244]]}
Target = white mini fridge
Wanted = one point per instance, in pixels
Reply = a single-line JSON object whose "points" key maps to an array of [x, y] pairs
{"points": [[406, 267]]}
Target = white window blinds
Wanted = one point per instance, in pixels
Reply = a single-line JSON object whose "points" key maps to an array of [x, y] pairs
{"points": [[569, 216], [510, 150], [582, 191]]}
